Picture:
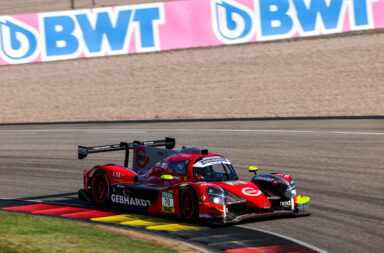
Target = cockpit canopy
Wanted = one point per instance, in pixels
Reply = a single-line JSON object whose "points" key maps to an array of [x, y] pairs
{"points": [[214, 168]]}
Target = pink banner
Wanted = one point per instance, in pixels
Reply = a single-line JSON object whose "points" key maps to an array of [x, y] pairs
{"points": [[176, 25]]}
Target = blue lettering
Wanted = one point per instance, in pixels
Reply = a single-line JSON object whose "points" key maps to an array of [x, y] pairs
{"points": [[307, 17], [360, 12], [274, 18], [59, 39], [145, 18], [93, 37]]}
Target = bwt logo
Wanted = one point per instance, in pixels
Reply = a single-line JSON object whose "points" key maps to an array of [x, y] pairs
{"points": [[82, 33], [18, 41], [278, 19], [232, 22]]}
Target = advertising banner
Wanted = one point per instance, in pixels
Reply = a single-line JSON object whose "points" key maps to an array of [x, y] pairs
{"points": [[165, 26]]}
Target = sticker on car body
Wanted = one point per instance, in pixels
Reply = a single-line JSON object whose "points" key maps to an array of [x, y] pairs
{"points": [[167, 202], [232, 183], [211, 161], [250, 191], [130, 201]]}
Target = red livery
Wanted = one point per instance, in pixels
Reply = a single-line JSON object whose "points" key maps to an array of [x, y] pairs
{"points": [[190, 182]]}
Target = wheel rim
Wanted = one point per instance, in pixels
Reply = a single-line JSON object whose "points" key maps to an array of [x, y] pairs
{"points": [[100, 188], [188, 206]]}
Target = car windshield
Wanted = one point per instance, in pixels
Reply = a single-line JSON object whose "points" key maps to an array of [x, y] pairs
{"points": [[180, 168], [214, 168]]}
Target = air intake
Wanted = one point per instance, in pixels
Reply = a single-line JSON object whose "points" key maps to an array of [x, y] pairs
{"points": [[199, 151]]}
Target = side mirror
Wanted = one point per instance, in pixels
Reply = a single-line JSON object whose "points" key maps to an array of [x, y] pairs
{"points": [[253, 169], [167, 178]]}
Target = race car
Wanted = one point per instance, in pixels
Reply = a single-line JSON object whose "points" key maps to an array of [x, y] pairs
{"points": [[190, 182]]}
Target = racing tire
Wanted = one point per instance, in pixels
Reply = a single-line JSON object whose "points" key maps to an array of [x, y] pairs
{"points": [[100, 188], [189, 204]]}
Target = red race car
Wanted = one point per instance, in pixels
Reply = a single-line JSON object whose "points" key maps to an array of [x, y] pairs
{"points": [[190, 182]]}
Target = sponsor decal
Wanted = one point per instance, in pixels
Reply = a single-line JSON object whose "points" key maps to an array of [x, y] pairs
{"points": [[251, 192], [101, 31], [235, 182], [130, 201], [210, 161], [267, 179], [19, 42], [234, 22], [285, 176], [107, 147], [167, 202], [141, 159], [205, 216], [206, 184], [172, 25], [116, 174], [285, 203], [185, 178]]}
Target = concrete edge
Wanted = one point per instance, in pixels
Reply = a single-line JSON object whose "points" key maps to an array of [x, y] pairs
{"points": [[192, 120]]}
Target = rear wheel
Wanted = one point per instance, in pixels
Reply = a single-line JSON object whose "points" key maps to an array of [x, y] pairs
{"points": [[189, 204], [100, 188]]}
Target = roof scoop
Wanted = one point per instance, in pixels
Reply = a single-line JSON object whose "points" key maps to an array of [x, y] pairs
{"points": [[194, 150]]}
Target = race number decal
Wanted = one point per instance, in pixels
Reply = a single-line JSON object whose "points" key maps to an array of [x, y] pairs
{"points": [[167, 202]]}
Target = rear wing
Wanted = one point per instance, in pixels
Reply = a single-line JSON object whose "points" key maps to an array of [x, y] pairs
{"points": [[168, 143]]}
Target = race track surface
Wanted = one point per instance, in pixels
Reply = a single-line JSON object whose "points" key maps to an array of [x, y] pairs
{"points": [[338, 163]]}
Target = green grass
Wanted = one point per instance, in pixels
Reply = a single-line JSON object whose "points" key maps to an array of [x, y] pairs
{"points": [[29, 233]]}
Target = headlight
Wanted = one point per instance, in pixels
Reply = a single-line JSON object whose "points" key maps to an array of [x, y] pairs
{"points": [[216, 196], [217, 200], [291, 191]]}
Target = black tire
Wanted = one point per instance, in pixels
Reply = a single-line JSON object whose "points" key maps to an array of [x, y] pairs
{"points": [[100, 188], [189, 205]]}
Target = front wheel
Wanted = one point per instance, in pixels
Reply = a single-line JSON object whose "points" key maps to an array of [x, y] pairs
{"points": [[100, 188], [189, 204]]}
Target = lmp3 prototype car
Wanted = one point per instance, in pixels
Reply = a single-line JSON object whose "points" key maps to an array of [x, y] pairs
{"points": [[190, 182]]}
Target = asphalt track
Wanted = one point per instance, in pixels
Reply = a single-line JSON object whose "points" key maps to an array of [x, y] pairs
{"points": [[338, 163]]}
